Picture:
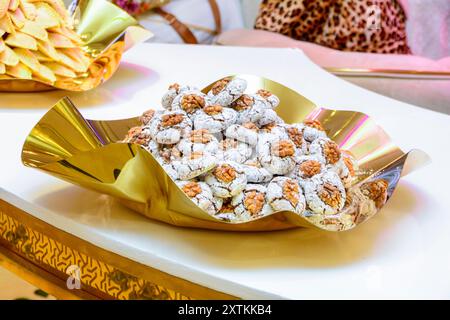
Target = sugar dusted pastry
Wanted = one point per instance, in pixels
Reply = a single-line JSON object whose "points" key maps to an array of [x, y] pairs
{"points": [[170, 153], [171, 169], [251, 203], [190, 102], [347, 167], [168, 157], [147, 116], [233, 150], [169, 95], [251, 108], [295, 134], [227, 179], [164, 153], [226, 213], [272, 99], [138, 135], [200, 193], [255, 172], [285, 194], [307, 167], [269, 116], [327, 150], [325, 193], [247, 132], [170, 127], [273, 131], [215, 118], [312, 130], [341, 162], [377, 191], [173, 91], [226, 91], [153, 148], [200, 140], [277, 156], [194, 165]]}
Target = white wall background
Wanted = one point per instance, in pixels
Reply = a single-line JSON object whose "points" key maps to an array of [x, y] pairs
{"points": [[249, 11]]}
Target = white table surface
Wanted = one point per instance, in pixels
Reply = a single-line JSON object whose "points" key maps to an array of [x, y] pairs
{"points": [[401, 253], [430, 94]]}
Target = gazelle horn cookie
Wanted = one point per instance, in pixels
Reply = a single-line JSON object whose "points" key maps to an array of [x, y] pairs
{"points": [[226, 91], [285, 194], [215, 118], [201, 195], [227, 179], [199, 141]]}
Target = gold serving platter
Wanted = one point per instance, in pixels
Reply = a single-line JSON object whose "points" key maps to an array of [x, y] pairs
{"points": [[90, 153], [106, 31]]}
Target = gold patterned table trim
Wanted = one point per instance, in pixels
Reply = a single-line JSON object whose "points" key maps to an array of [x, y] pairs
{"points": [[34, 249]]}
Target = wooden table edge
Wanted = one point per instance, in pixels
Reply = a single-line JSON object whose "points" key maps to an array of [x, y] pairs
{"points": [[49, 258]]}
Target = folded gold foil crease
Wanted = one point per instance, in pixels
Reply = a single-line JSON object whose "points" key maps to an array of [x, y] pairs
{"points": [[107, 32], [89, 153]]}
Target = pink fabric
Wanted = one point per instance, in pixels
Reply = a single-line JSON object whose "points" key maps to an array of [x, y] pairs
{"points": [[428, 27], [331, 58]]}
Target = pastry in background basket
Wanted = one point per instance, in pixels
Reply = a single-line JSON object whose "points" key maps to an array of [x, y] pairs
{"points": [[238, 160], [38, 42]]}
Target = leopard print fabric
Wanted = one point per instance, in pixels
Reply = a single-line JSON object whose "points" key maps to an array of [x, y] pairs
{"points": [[349, 25]]}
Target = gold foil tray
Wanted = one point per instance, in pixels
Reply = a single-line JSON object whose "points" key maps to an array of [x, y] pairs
{"points": [[107, 32], [88, 153]]}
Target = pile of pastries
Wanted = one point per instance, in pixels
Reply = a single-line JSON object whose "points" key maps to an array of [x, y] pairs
{"points": [[38, 42], [236, 159]]}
